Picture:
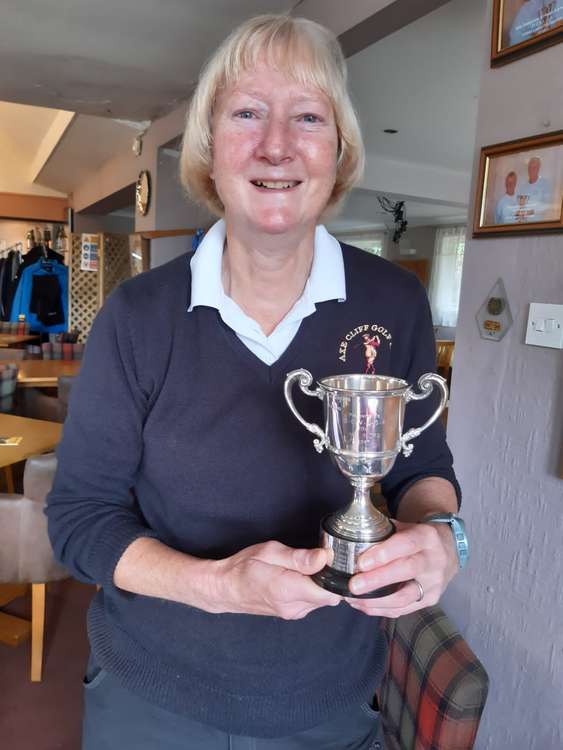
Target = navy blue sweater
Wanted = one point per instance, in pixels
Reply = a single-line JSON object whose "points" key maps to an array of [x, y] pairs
{"points": [[178, 432]]}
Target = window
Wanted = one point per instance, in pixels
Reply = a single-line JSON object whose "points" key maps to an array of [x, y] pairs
{"points": [[445, 283], [372, 242]]}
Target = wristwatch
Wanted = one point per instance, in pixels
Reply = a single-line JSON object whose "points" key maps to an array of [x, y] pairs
{"points": [[457, 526]]}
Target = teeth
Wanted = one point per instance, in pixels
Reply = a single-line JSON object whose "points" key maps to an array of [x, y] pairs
{"points": [[276, 185]]}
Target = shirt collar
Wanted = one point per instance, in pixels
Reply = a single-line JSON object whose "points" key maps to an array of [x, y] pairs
{"points": [[326, 281]]}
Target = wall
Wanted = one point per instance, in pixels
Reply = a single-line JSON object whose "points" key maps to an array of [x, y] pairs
{"points": [[173, 209], [124, 169], [164, 249], [93, 223], [15, 231], [420, 238], [505, 430]]}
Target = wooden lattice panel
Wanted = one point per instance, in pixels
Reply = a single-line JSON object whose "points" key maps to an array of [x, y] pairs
{"points": [[84, 298], [115, 262]]}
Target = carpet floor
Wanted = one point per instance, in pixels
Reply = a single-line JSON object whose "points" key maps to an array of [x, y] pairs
{"points": [[47, 715]]}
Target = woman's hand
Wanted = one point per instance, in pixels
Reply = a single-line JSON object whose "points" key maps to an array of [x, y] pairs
{"points": [[269, 579], [422, 552]]}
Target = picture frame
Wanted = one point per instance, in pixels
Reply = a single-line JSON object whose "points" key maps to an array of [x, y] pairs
{"points": [[523, 27], [520, 187]]}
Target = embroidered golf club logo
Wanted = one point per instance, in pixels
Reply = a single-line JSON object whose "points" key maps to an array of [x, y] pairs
{"points": [[371, 343], [365, 342]]}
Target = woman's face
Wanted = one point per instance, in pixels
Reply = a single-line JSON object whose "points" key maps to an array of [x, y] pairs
{"points": [[274, 153]]}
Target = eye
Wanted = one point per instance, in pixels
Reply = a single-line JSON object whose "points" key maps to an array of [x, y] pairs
{"points": [[244, 114], [310, 118]]}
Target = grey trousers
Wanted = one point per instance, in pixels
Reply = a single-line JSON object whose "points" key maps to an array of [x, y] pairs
{"points": [[116, 719]]}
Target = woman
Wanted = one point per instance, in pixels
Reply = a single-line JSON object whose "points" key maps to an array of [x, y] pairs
{"points": [[207, 631]]}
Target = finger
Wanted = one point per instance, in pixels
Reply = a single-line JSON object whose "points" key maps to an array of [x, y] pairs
{"points": [[390, 614], [292, 586], [406, 599], [408, 540], [305, 561], [403, 569]]}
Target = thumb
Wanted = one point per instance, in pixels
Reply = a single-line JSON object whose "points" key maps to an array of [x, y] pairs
{"points": [[308, 561]]}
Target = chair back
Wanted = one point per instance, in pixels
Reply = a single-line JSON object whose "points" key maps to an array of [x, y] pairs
{"points": [[63, 392], [8, 383], [62, 350], [38, 476], [26, 555], [435, 688], [16, 329], [13, 354]]}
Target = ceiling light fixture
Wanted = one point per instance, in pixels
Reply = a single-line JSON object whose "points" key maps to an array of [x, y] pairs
{"points": [[399, 213]]}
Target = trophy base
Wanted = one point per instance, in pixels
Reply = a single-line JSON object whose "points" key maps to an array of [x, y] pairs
{"points": [[337, 582], [346, 551]]}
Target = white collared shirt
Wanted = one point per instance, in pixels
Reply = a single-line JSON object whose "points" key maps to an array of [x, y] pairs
{"points": [[326, 282]]}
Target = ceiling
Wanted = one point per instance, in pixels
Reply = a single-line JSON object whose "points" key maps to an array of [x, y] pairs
{"points": [[134, 59], [422, 79]]}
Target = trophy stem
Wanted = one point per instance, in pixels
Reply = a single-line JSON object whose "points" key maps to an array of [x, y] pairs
{"points": [[360, 520]]}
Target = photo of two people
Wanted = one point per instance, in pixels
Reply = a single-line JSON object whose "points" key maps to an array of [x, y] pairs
{"points": [[521, 186], [523, 20]]}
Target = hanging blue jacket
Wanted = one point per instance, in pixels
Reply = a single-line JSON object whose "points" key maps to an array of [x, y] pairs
{"points": [[26, 304]]}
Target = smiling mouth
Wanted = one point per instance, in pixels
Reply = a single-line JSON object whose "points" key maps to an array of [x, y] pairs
{"points": [[276, 184]]}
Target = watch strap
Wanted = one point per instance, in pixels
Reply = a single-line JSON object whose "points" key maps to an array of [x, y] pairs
{"points": [[457, 526]]}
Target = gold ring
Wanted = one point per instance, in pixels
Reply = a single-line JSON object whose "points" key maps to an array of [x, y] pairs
{"points": [[420, 591]]}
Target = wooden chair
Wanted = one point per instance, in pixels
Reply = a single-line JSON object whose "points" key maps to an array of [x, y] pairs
{"points": [[435, 688], [444, 356], [26, 556], [8, 383]]}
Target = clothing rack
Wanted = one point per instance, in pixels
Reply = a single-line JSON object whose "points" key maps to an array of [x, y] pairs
{"points": [[17, 247]]}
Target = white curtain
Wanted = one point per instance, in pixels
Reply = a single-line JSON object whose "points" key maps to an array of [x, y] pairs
{"points": [[445, 282]]}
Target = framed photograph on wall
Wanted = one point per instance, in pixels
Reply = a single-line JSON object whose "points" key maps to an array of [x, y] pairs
{"points": [[521, 27], [520, 187]]}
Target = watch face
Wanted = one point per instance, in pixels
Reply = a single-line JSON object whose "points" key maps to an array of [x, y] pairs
{"points": [[143, 192]]}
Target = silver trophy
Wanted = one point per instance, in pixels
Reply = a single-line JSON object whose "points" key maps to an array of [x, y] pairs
{"points": [[363, 418]]}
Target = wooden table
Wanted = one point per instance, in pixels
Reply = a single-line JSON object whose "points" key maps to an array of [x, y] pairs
{"points": [[13, 339], [38, 436], [44, 373]]}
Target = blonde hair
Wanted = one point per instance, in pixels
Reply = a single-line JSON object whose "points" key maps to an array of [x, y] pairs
{"points": [[305, 51]]}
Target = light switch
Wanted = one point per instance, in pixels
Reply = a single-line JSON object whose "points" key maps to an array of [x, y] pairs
{"points": [[545, 325]]}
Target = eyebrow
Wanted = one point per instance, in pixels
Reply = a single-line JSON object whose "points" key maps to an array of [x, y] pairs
{"points": [[302, 98]]}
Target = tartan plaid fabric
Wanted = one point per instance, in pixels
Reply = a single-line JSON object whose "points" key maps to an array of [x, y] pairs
{"points": [[16, 329], [61, 350], [434, 689], [8, 382]]}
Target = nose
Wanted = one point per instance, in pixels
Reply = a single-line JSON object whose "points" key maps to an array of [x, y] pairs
{"points": [[276, 143]]}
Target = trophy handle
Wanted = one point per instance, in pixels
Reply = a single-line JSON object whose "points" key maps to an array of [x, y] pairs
{"points": [[425, 384], [305, 379]]}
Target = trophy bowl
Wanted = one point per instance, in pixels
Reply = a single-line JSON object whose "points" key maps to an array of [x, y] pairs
{"points": [[363, 426]]}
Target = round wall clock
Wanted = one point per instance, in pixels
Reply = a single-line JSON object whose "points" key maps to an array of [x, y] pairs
{"points": [[143, 192]]}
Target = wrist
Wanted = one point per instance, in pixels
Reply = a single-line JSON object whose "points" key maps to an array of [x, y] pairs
{"points": [[452, 525], [208, 586]]}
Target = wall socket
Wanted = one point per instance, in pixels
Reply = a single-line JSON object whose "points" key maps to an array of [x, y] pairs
{"points": [[545, 325]]}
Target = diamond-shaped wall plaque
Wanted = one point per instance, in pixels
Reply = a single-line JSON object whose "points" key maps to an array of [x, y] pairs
{"points": [[494, 317]]}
